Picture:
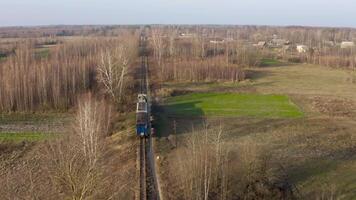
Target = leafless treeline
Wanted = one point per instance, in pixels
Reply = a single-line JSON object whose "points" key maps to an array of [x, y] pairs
{"points": [[203, 167], [209, 167], [64, 30], [180, 50], [331, 57], [195, 70], [29, 82], [191, 59], [295, 34]]}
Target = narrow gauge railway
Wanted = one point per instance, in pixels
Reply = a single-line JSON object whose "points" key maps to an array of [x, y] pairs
{"points": [[148, 181]]}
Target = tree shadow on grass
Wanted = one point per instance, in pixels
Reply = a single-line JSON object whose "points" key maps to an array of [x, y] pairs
{"points": [[268, 62], [189, 109], [254, 74], [177, 118]]}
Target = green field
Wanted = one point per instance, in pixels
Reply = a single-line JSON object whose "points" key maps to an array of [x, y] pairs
{"points": [[233, 104], [266, 62], [24, 136], [42, 53], [2, 56]]}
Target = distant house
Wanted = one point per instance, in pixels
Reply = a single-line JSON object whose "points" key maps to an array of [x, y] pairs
{"points": [[302, 48], [186, 35], [217, 41], [347, 44], [277, 43]]}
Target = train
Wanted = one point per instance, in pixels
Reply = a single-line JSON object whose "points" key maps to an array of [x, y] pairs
{"points": [[142, 118]]}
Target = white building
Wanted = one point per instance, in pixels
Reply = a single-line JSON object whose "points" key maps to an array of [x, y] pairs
{"points": [[186, 35], [217, 41], [302, 48], [347, 44], [278, 43]]}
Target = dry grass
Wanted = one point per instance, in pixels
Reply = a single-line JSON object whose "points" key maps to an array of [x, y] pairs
{"points": [[305, 80]]}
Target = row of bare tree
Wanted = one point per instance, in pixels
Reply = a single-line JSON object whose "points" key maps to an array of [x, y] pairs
{"points": [[196, 70], [207, 177], [77, 66], [331, 57], [208, 167], [174, 46], [27, 83], [192, 59]]}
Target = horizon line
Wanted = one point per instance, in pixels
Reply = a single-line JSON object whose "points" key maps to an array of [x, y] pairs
{"points": [[177, 24]]}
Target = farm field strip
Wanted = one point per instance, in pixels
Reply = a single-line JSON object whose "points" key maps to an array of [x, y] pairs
{"points": [[25, 136], [233, 105]]}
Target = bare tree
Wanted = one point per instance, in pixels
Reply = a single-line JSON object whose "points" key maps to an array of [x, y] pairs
{"points": [[112, 71], [202, 173], [157, 39], [73, 161], [172, 35], [91, 125], [30, 83]]}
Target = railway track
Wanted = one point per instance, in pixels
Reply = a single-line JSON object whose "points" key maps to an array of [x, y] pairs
{"points": [[142, 170], [148, 180]]}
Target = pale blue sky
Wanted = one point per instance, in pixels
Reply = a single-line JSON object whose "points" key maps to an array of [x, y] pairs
{"points": [[257, 12]]}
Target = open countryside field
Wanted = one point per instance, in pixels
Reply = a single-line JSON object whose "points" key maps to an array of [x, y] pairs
{"points": [[233, 105], [308, 135], [305, 79], [180, 112]]}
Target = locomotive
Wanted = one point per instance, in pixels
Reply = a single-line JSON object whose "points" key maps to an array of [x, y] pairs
{"points": [[142, 120]]}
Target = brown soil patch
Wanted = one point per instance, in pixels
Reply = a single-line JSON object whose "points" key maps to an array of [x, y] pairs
{"points": [[335, 107]]}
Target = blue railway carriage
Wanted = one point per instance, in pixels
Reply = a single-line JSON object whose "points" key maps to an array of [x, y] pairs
{"points": [[142, 116]]}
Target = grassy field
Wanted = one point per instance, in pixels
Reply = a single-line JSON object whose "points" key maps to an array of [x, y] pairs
{"points": [[2, 57], [42, 53], [305, 80], [317, 151], [266, 62], [229, 104]]}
